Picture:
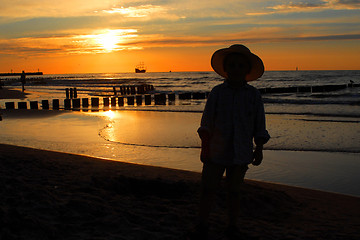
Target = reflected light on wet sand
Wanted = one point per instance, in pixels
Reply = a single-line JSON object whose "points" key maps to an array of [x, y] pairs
{"points": [[150, 138], [155, 129], [110, 114]]}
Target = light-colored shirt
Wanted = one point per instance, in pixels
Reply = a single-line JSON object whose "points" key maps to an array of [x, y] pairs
{"points": [[233, 118]]}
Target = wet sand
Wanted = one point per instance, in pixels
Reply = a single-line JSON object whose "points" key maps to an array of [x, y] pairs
{"points": [[52, 195], [6, 93]]}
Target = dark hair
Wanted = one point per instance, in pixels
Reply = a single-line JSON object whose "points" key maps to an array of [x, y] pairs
{"points": [[237, 54]]}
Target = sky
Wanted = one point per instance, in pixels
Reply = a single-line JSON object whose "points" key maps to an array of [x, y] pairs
{"points": [[98, 36]]}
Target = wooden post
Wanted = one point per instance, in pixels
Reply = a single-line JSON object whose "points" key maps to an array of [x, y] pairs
{"points": [[132, 90], [71, 93], [85, 102], [148, 99], [22, 105], [183, 96], [122, 90], [171, 97], [139, 100], [198, 95], [160, 99], [34, 105], [106, 102], [45, 104], [113, 102], [67, 93], [121, 101], [130, 100], [67, 104], [10, 105], [95, 102], [75, 93], [76, 103], [56, 104]]}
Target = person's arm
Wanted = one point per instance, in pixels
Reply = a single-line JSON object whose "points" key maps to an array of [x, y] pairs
{"points": [[206, 126], [258, 154], [261, 135]]}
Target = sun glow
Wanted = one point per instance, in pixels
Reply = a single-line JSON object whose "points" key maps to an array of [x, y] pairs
{"points": [[110, 40], [110, 114]]}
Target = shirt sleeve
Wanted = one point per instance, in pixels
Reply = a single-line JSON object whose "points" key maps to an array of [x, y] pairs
{"points": [[261, 135], [208, 117]]}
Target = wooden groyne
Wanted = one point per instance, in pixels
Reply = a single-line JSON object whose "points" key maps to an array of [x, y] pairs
{"points": [[310, 89], [19, 74], [131, 96], [132, 89], [96, 103]]}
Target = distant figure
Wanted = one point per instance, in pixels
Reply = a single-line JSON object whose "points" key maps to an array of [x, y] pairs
{"points": [[23, 80], [233, 117], [351, 83]]}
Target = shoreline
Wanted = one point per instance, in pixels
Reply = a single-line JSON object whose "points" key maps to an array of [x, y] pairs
{"points": [[53, 195], [98, 134]]}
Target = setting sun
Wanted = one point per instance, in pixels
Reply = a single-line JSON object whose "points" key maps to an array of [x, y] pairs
{"points": [[108, 41], [92, 37], [111, 40]]}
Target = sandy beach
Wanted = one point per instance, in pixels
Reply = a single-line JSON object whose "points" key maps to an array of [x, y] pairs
{"points": [[52, 195]]}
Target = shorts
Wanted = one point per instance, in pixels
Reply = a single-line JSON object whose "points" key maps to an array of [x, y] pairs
{"points": [[212, 174]]}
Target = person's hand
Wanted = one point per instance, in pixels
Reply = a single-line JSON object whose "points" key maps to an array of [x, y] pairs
{"points": [[258, 156], [205, 154]]}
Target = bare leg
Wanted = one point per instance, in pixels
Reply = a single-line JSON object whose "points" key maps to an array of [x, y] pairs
{"points": [[206, 204], [233, 208]]}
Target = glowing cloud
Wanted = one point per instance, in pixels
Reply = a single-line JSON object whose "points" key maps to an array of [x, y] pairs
{"points": [[137, 12], [310, 7], [103, 41], [110, 40], [142, 12]]}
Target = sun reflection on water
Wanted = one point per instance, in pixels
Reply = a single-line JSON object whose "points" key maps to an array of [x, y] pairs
{"points": [[110, 114]]}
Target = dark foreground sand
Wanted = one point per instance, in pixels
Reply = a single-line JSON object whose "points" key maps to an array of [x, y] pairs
{"points": [[51, 195], [6, 93]]}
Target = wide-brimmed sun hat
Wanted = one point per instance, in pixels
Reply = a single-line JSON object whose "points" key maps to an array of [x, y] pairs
{"points": [[257, 66]]}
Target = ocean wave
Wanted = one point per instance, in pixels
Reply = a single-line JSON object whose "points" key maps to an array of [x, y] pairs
{"points": [[310, 101]]}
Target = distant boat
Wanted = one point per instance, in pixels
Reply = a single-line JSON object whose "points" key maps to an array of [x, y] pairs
{"points": [[140, 68]]}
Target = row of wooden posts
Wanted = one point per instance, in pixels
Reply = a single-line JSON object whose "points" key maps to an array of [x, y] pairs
{"points": [[119, 90], [85, 103], [133, 89], [310, 89]]}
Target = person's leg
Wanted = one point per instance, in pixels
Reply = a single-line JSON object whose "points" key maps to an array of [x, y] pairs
{"points": [[235, 180], [210, 181], [211, 177]]}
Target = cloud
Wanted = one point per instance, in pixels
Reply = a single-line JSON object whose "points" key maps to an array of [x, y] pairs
{"points": [[346, 4], [26, 9], [141, 12], [310, 6], [99, 42], [206, 41], [111, 40], [48, 8]]}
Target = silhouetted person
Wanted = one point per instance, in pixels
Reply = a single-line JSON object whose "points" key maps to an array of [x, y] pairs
{"points": [[233, 118], [23, 80]]}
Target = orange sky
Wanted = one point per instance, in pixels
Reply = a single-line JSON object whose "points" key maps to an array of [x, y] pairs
{"points": [[109, 36]]}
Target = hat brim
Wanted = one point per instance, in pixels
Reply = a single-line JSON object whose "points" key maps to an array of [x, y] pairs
{"points": [[257, 66]]}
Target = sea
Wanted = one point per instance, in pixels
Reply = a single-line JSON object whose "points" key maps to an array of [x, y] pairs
{"points": [[313, 118]]}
